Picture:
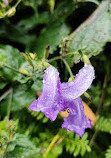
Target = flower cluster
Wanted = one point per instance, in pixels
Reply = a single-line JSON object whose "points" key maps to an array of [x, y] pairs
{"points": [[57, 97]]}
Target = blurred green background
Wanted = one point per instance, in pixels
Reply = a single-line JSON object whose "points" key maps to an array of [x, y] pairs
{"points": [[30, 32]]}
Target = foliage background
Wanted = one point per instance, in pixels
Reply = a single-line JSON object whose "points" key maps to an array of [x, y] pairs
{"points": [[29, 26]]}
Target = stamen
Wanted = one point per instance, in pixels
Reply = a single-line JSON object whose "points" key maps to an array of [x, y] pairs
{"points": [[68, 110]]}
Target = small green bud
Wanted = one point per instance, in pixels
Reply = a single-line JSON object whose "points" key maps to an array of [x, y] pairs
{"points": [[46, 52], [33, 55], [86, 59], [25, 55], [70, 79], [23, 71], [52, 4], [46, 64]]}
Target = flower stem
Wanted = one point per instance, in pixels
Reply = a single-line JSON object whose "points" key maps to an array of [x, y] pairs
{"points": [[55, 58], [60, 57], [68, 68], [51, 144]]}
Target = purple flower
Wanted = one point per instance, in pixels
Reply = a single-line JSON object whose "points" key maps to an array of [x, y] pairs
{"points": [[57, 96]]}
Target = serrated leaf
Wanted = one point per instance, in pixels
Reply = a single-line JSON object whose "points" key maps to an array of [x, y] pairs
{"points": [[84, 137], [21, 147], [77, 145], [103, 124], [91, 36], [83, 150], [77, 150], [45, 119], [40, 116]]}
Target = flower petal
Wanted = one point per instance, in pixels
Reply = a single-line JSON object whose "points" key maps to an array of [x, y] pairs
{"points": [[33, 105], [77, 120], [83, 80], [50, 101]]}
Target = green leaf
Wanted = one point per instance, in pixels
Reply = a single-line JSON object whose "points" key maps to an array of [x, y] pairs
{"points": [[77, 150], [103, 124], [14, 59], [52, 35], [2, 84], [37, 85], [76, 145], [16, 68], [55, 152], [91, 36], [31, 22], [91, 155], [39, 116], [17, 34], [64, 9], [22, 97], [108, 153], [21, 147], [33, 3]]}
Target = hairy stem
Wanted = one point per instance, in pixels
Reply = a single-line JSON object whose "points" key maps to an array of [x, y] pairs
{"points": [[55, 58], [61, 57], [68, 68]]}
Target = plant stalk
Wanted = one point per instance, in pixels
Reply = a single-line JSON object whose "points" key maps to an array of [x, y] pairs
{"points": [[51, 144], [68, 68]]}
